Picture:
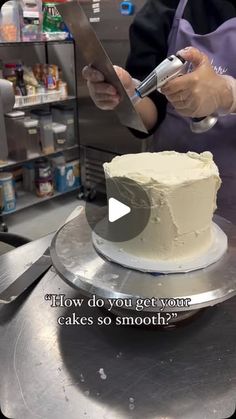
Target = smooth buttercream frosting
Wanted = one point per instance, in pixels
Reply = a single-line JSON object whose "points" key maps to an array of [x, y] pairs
{"points": [[182, 189]]}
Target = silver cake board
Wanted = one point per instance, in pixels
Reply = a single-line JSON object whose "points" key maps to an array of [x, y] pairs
{"points": [[78, 263]]}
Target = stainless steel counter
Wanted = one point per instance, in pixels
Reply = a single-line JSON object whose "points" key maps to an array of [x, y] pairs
{"points": [[112, 372]]}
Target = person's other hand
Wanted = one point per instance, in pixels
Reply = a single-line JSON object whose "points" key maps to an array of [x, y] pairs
{"points": [[201, 92], [104, 95]]}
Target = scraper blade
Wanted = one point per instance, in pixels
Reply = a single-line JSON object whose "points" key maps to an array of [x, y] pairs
{"points": [[94, 54]]}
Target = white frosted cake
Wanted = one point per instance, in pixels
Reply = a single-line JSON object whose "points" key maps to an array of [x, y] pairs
{"points": [[182, 189]]}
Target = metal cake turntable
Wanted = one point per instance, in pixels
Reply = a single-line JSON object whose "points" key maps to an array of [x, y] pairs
{"points": [[78, 263]]}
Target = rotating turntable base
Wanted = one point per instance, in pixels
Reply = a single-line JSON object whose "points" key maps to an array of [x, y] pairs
{"points": [[78, 263]]}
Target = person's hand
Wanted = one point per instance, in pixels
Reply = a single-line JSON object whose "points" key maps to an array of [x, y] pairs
{"points": [[202, 92], [104, 95]]}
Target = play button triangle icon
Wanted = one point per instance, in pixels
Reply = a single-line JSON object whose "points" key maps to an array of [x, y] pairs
{"points": [[117, 210], [123, 213]]}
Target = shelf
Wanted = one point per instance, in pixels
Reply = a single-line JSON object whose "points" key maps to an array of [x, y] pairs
{"points": [[27, 199], [12, 163], [29, 43], [39, 105], [62, 53]]}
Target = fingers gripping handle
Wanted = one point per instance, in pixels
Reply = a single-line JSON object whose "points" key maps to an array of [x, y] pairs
{"points": [[171, 67]]}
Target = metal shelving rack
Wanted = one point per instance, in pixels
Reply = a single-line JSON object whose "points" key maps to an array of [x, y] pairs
{"points": [[61, 53]]}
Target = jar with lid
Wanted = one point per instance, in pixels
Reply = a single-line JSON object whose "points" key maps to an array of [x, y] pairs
{"points": [[43, 178]]}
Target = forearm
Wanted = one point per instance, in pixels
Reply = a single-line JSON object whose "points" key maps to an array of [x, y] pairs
{"points": [[148, 112], [145, 107], [228, 94]]}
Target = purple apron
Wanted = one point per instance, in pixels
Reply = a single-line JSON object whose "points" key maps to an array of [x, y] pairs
{"points": [[175, 134]]}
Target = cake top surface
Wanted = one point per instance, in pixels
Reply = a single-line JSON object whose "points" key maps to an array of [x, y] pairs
{"points": [[166, 167]]}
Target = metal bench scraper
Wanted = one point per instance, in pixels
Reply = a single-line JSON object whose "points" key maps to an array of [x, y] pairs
{"points": [[94, 54]]}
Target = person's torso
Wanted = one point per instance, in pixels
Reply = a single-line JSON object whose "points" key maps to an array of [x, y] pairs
{"points": [[174, 133]]}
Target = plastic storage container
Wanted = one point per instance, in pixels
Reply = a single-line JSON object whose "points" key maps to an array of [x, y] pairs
{"points": [[66, 116], [30, 20], [59, 132], [10, 22], [16, 135], [45, 127], [23, 136], [32, 137]]}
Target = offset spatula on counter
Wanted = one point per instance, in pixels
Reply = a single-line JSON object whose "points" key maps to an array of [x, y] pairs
{"points": [[18, 260]]}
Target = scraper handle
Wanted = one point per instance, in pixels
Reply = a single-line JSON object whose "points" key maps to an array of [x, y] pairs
{"points": [[200, 125]]}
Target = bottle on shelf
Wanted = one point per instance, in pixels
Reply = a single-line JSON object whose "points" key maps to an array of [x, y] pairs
{"points": [[20, 84], [52, 77]]}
